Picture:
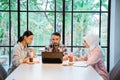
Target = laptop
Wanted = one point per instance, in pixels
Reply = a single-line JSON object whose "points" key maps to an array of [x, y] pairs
{"points": [[52, 57]]}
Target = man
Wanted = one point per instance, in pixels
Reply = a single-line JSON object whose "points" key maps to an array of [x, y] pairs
{"points": [[55, 45]]}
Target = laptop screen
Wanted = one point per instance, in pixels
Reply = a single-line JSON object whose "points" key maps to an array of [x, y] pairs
{"points": [[52, 57]]}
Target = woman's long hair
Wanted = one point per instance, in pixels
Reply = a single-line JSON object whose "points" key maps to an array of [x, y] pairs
{"points": [[26, 33]]}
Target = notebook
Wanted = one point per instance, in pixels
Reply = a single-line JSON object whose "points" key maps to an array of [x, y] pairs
{"points": [[52, 57], [80, 64]]}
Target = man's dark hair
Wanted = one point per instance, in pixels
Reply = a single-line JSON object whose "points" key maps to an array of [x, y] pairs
{"points": [[56, 33]]}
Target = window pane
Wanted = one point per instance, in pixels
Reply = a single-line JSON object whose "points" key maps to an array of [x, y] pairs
{"points": [[105, 56], [83, 5], [14, 4], [4, 28], [14, 28], [68, 29], [42, 25], [83, 24], [59, 5], [23, 4], [79, 51], [23, 22], [59, 21], [104, 5], [41, 5], [104, 29], [4, 51], [4, 4], [68, 5]]}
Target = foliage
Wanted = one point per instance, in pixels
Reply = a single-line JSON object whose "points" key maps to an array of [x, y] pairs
{"points": [[4, 5], [1, 34], [42, 23]]}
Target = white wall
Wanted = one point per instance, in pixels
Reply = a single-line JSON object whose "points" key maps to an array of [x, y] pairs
{"points": [[115, 33]]}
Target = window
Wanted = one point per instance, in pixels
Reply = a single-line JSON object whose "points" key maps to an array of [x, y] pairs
{"points": [[72, 18]]}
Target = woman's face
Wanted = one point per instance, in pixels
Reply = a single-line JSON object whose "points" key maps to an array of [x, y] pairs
{"points": [[86, 44], [29, 39]]}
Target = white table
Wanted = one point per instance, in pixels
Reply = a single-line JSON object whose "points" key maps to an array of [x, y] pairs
{"points": [[53, 72]]}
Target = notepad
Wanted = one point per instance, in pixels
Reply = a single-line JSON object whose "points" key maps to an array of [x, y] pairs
{"points": [[80, 64]]}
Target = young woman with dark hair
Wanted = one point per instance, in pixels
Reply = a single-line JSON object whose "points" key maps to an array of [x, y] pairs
{"points": [[20, 51]]}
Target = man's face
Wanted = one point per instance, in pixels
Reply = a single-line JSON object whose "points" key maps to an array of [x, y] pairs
{"points": [[55, 40]]}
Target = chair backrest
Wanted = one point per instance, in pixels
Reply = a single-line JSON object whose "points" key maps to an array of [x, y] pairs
{"points": [[115, 72], [1, 78], [3, 73]]}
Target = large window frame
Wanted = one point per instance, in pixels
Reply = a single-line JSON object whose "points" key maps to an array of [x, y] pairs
{"points": [[27, 11]]}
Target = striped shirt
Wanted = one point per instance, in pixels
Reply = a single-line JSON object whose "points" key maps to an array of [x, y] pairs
{"points": [[61, 48], [18, 54]]}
